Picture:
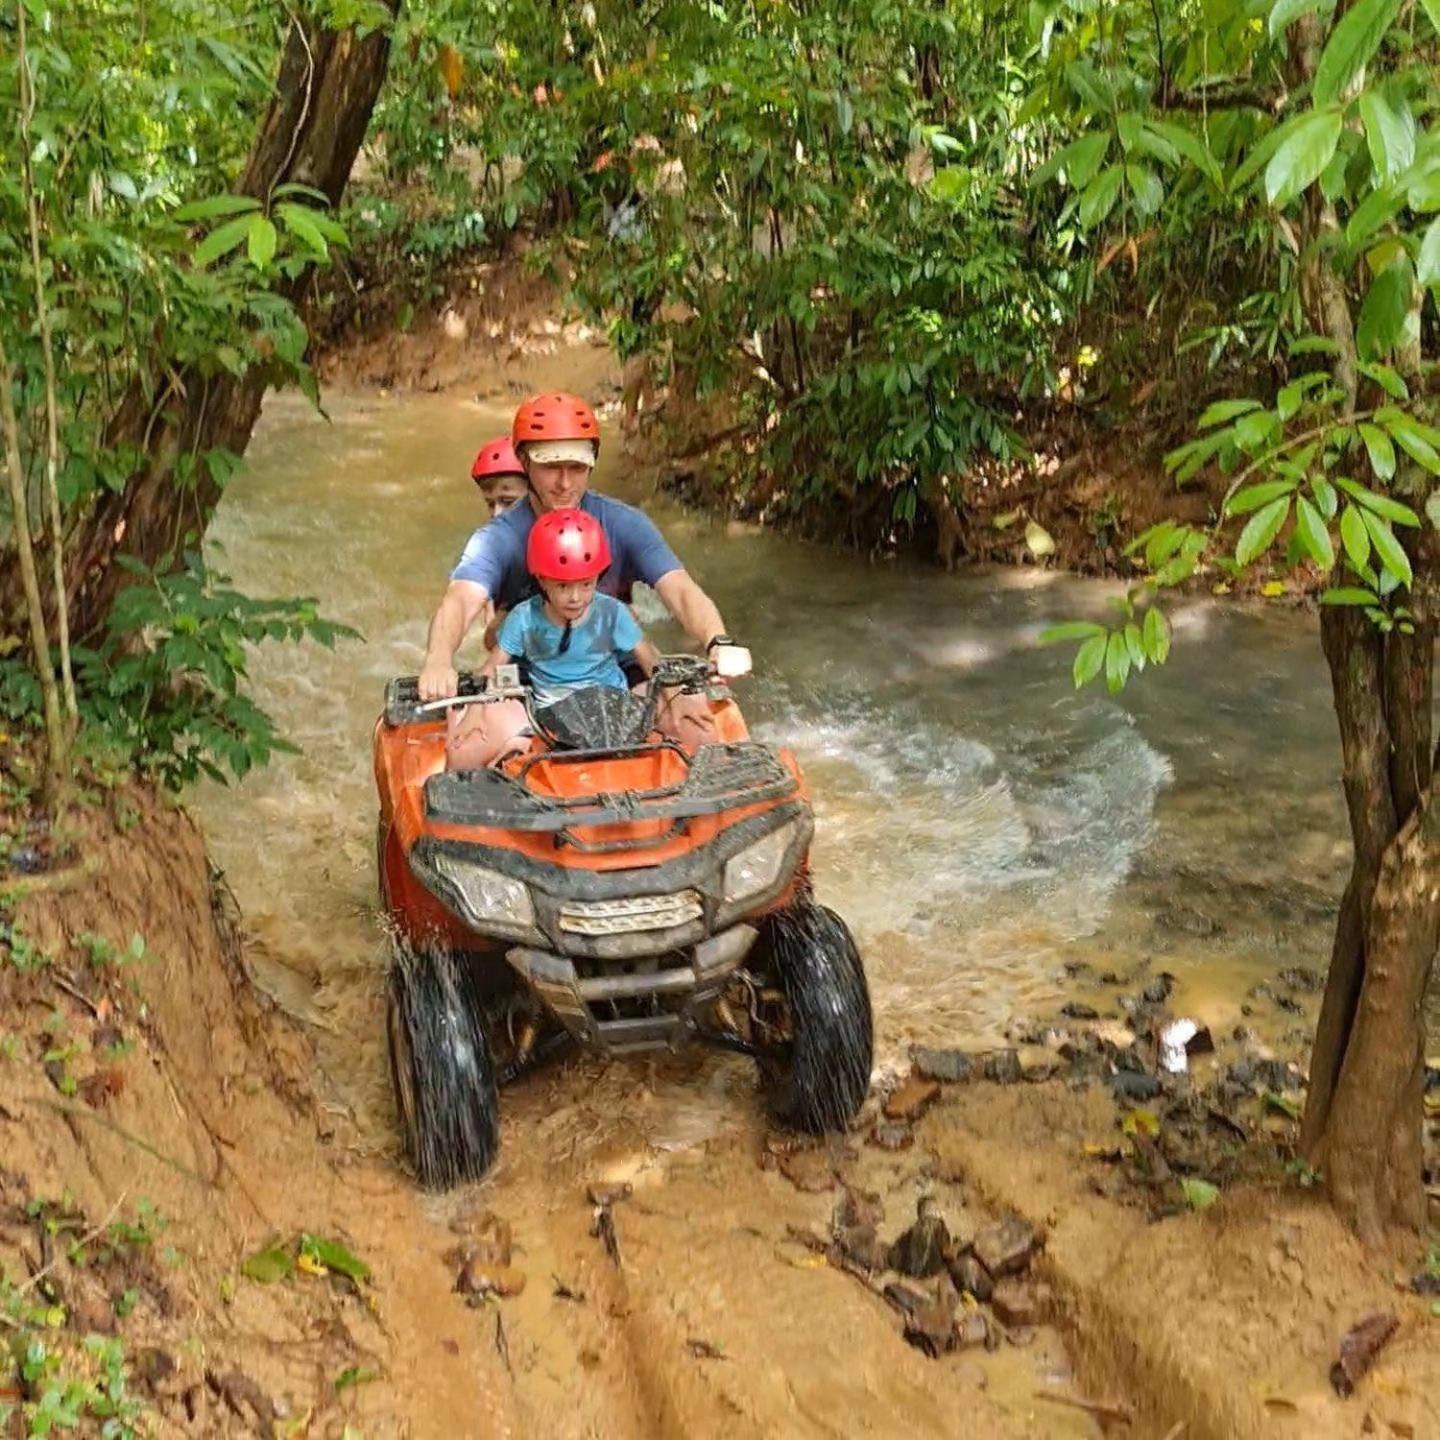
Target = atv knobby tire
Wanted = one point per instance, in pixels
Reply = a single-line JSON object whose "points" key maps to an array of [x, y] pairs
{"points": [[442, 1070], [819, 1080]]}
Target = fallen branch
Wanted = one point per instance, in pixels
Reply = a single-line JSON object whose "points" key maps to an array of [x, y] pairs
{"points": [[61, 983]]}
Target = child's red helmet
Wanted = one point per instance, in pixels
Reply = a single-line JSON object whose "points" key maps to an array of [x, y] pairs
{"points": [[567, 544], [496, 458], [555, 416]]}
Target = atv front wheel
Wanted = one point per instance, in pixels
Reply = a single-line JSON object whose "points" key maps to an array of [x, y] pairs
{"points": [[442, 1071], [817, 1077]]}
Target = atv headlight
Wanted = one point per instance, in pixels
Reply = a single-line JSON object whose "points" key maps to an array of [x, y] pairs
{"points": [[756, 868], [493, 903]]}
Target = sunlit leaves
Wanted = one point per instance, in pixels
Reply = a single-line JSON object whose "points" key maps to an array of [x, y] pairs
{"points": [[1389, 132], [1302, 152], [1350, 47], [1261, 529]]}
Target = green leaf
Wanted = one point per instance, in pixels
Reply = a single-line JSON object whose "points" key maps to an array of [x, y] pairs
{"points": [[354, 1375], [1099, 197], [1261, 529], [1282, 1104], [1418, 441], [266, 1266], [1327, 502], [1129, 127], [1306, 150], [261, 240], [334, 1256], [1135, 644], [1352, 44], [1378, 208], [213, 206], [1070, 630], [1157, 635], [1286, 12], [1117, 662], [1199, 1194], [300, 222], [1381, 505], [1423, 191], [1386, 378], [1355, 538], [1223, 410], [1427, 263], [1387, 548], [1348, 595], [1389, 132], [222, 241], [1252, 497], [1432, 508], [1385, 315], [1088, 660], [1145, 186], [1082, 157], [1313, 535], [1158, 134], [1379, 449]]}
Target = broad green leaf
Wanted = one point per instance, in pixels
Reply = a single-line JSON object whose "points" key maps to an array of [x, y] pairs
{"points": [[1145, 186], [1256, 430], [354, 1375], [1158, 134], [1286, 12], [1423, 192], [213, 206], [1389, 132], [1099, 197], [1252, 497], [1352, 44], [1259, 156], [334, 1256], [1223, 410], [1388, 548], [298, 219], [1385, 315], [1432, 9], [1348, 595], [1185, 461], [1117, 663], [1427, 263], [1378, 208], [122, 185], [1418, 441], [1302, 155], [1380, 450], [1070, 630], [1129, 127], [1157, 635], [1313, 535], [1135, 644], [260, 241], [1386, 377], [1082, 157], [266, 1266], [1382, 505], [1199, 1194], [222, 240], [1261, 529], [1327, 502], [1432, 508], [1089, 659]]}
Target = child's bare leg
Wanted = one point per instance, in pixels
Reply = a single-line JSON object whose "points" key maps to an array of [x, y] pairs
{"points": [[479, 735], [686, 719]]}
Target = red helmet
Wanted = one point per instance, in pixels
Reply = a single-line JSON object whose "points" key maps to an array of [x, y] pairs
{"points": [[555, 416], [567, 545], [496, 458]]}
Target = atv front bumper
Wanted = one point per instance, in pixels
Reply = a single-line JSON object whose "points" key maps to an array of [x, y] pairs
{"points": [[639, 1006]]}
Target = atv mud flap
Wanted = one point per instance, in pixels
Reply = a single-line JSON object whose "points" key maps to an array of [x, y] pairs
{"points": [[620, 1010]]}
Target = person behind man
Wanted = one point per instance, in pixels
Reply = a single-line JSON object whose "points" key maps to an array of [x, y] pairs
{"points": [[557, 439], [499, 474]]}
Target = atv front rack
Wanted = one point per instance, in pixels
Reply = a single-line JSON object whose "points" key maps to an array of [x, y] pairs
{"points": [[717, 778]]}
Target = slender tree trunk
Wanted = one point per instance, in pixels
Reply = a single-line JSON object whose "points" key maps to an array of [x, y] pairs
{"points": [[325, 91]]}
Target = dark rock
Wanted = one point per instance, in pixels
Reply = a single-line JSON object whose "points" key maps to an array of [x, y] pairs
{"points": [[1075, 1010], [1002, 1067], [1019, 1302], [892, 1135], [860, 1245], [1157, 992], [1131, 1085], [920, 1251], [858, 1207], [1427, 1282], [1006, 1247], [1244, 1035], [1252, 1074], [1109, 978], [972, 1277], [26, 860], [949, 1066], [930, 1325], [972, 1330]]}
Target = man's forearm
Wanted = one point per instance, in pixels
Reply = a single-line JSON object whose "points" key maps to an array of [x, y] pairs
{"points": [[447, 630], [693, 608]]}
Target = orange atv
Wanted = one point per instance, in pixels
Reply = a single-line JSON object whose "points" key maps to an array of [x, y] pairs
{"points": [[607, 889]]}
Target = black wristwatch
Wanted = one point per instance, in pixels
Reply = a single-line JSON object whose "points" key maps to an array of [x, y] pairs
{"points": [[718, 640]]}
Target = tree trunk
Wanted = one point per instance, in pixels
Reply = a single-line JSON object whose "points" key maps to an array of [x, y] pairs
{"points": [[325, 91]]}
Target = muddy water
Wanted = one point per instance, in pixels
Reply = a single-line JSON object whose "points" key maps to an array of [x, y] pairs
{"points": [[979, 823]]}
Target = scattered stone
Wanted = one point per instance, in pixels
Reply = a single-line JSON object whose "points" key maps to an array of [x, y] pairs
{"points": [[1358, 1350], [609, 1193], [972, 1278], [1002, 1067], [912, 1099], [1038, 1063], [1157, 992], [1301, 977], [1019, 1303], [1252, 1074], [930, 1324], [858, 1207], [1131, 1085], [1005, 1248], [807, 1170], [863, 1247], [485, 1238], [892, 1135], [907, 1297], [972, 1330], [920, 1251], [1109, 977], [1075, 1010], [478, 1278], [1427, 1282], [949, 1066]]}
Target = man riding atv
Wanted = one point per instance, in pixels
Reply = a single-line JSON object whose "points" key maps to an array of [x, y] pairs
{"points": [[557, 439]]}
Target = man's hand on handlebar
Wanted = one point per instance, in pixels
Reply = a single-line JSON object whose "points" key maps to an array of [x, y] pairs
{"points": [[729, 661], [438, 681]]}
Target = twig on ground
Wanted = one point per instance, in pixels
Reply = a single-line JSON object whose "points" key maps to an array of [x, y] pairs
{"points": [[93, 1233]]}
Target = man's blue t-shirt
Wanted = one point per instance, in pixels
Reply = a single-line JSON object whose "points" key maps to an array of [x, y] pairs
{"points": [[495, 554], [607, 631]]}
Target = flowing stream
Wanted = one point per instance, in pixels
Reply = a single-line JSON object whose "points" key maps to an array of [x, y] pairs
{"points": [[980, 823]]}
